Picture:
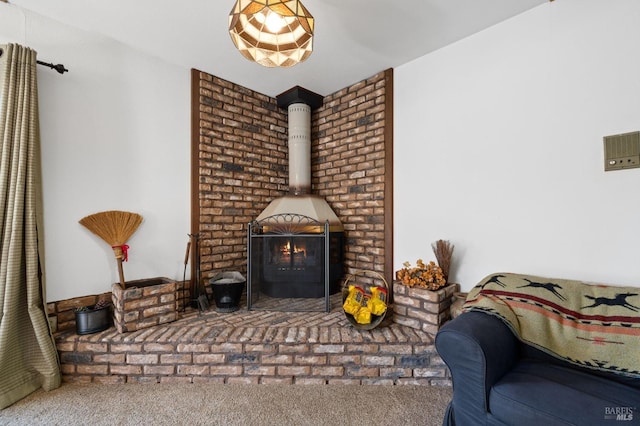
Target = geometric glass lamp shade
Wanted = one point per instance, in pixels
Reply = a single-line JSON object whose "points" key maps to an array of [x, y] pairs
{"points": [[273, 33]]}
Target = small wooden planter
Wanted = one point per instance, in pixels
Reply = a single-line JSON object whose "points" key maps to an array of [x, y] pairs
{"points": [[422, 309]]}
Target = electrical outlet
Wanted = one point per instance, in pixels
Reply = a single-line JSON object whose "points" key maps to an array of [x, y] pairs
{"points": [[622, 151]]}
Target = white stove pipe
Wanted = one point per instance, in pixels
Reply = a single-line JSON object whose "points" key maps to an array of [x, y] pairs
{"points": [[300, 200], [299, 148]]}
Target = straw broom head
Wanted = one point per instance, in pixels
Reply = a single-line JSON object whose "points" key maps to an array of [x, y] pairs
{"points": [[113, 226]]}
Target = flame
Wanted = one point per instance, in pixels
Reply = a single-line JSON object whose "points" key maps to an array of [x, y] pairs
{"points": [[286, 249]]}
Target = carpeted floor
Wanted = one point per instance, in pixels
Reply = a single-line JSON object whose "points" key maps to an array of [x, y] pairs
{"points": [[224, 404]]}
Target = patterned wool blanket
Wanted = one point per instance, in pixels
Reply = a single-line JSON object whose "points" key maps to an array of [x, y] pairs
{"points": [[594, 326]]}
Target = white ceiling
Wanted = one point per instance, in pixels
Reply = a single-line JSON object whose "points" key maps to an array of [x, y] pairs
{"points": [[354, 39]]}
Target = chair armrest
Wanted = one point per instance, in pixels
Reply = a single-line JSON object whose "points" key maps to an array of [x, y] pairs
{"points": [[479, 349]]}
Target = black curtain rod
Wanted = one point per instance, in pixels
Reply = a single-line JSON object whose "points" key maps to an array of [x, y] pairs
{"points": [[60, 68]]}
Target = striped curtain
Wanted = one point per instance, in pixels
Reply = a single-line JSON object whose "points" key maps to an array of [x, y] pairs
{"points": [[28, 357]]}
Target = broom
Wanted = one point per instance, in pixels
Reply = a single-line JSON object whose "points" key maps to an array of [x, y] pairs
{"points": [[115, 227]]}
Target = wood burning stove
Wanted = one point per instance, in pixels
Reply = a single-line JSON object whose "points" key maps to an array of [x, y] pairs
{"points": [[293, 256], [295, 246]]}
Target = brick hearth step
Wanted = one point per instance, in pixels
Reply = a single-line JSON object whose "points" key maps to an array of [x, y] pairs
{"points": [[255, 347]]}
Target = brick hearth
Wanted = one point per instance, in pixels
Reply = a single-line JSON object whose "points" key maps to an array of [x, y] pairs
{"points": [[255, 347]]}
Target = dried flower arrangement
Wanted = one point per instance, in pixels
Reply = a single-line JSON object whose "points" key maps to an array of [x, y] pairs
{"points": [[430, 275], [427, 276]]}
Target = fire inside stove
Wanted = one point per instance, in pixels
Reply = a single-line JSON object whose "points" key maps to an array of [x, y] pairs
{"points": [[291, 256]]}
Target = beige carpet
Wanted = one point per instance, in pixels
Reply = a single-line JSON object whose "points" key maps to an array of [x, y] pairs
{"points": [[218, 404]]}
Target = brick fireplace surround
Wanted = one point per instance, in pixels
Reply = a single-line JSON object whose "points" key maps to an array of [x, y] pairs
{"points": [[239, 164]]}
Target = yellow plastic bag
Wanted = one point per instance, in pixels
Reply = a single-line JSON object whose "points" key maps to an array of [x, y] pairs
{"points": [[353, 301], [377, 303], [363, 316]]}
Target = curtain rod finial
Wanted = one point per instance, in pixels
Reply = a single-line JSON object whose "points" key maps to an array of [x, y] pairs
{"points": [[60, 68]]}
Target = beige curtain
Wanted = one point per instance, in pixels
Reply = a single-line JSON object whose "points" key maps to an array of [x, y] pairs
{"points": [[28, 357]]}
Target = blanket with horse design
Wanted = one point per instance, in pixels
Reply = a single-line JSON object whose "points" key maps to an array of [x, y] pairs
{"points": [[594, 326]]}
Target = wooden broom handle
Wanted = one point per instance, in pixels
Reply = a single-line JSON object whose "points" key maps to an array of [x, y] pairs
{"points": [[121, 273], [117, 250]]}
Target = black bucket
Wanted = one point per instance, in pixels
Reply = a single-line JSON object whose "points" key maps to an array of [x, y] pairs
{"points": [[93, 320], [227, 290]]}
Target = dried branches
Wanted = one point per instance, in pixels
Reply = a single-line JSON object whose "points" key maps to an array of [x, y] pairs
{"points": [[443, 251]]}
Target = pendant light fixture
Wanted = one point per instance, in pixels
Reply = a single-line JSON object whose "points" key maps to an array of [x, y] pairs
{"points": [[273, 33]]}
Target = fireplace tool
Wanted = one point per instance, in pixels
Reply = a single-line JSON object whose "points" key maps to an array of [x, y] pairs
{"points": [[201, 301], [184, 276]]}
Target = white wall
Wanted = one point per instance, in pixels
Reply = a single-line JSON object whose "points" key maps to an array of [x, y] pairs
{"points": [[498, 147], [115, 136]]}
